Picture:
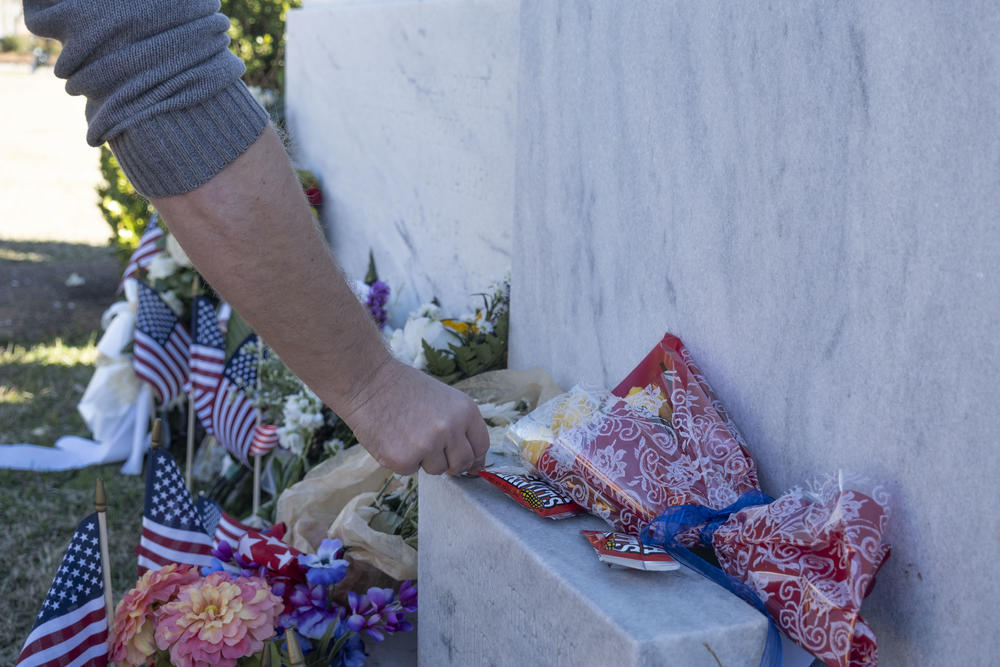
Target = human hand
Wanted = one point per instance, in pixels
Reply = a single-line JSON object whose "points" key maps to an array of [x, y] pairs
{"points": [[408, 420]]}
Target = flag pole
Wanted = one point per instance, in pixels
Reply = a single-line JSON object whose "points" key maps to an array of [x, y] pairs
{"points": [[157, 434], [189, 467], [256, 457], [101, 504], [295, 657]]}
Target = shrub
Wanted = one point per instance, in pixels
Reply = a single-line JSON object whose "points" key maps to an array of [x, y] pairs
{"points": [[126, 211], [16, 43], [258, 37]]}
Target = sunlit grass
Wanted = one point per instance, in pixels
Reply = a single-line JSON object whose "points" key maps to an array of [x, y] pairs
{"points": [[13, 255], [11, 396], [54, 353], [27, 251], [41, 511], [40, 386]]}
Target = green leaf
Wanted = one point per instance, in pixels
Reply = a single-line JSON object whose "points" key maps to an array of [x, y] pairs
{"points": [[372, 274], [439, 362]]}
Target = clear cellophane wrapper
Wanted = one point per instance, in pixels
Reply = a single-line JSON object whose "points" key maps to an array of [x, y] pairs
{"points": [[662, 439], [627, 456], [812, 556]]}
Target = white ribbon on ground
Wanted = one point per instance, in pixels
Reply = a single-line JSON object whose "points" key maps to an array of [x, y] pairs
{"points": [[115, 406]]}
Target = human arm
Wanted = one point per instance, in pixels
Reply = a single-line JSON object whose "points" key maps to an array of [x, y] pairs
{"points": [[250, 232], [164, 91]]}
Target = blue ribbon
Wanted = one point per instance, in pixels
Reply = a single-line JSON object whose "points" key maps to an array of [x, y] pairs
{"points": [[664, 529]]}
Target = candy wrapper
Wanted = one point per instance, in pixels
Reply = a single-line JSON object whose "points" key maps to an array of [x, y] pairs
{"points": [[533, 493], [629, 551], [661, 454]]}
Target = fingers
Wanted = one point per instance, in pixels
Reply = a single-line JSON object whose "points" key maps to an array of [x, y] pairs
{"points": [[436, 463], [478, 436]]}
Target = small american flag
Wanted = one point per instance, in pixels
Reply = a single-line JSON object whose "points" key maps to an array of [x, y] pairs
{"points": [[219, 523], [234, 416], [172, 529], [208, 359], [272, 553], [147, 250], [162, 346], [265, 438], [72, 627]]}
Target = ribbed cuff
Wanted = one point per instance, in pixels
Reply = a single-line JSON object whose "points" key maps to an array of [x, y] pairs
{"points": [[176, 151]]}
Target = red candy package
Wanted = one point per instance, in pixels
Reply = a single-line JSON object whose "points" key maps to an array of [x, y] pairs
{"points": [[534, 493], [628, 551]]}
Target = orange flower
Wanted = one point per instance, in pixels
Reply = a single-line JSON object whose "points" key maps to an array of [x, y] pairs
{"points": [[218, 620], [132, 630]]}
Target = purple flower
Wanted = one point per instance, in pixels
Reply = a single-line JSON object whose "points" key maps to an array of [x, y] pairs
{"points": [[323, 567], [223, 551], [408, 596], [311, 613], [367, 611], [395, 621], [378, 296]]}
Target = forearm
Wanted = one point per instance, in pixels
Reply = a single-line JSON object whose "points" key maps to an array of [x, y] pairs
{"points": [[250, 232]]}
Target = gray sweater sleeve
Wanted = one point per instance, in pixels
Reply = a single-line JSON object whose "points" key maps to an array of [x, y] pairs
{"points": [[162, 87]]}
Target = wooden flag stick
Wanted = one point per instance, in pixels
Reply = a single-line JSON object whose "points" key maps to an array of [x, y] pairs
{"points": [[295, 656], [157, 434], [189, 466], [256, 457], [101, 503]]}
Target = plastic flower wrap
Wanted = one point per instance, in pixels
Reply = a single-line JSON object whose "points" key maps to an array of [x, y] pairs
{"points": [[660, 457]]}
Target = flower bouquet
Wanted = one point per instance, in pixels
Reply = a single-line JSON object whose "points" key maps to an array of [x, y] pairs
{"points": [[659, 457], [239, 610]]}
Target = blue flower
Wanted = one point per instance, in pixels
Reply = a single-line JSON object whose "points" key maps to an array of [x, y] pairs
{"points": [[214, 566], [352, 655], [310, 611], [323, 567]]}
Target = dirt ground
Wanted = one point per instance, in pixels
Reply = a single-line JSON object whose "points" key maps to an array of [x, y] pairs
{"points": [[50, 227]]}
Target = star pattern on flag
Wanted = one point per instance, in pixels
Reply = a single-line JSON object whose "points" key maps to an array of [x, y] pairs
{"points": [[79, 577], [172, 504], [207, 331], [155, 317], [242, 368]]}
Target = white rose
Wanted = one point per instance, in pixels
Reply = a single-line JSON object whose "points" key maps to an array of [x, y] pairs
{"points": [[162, 266], [407, 343], [177, 252]]}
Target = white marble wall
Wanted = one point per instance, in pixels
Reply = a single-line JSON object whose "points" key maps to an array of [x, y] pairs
{"points": [[808, 194], [406, 112]]}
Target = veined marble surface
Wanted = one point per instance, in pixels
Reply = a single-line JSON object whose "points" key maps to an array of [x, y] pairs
{"points": [[502, 586], [807, 194], [405, 111]]}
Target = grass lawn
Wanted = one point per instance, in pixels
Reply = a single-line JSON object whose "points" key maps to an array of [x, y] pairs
{"points": [[40, 386], [42, 378]]}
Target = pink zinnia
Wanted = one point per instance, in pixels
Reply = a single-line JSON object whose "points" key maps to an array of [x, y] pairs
{"points": [[132, 630], [218, 620]]}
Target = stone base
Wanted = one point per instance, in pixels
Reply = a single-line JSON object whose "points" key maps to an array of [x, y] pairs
{"points": [[502, 586]]}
